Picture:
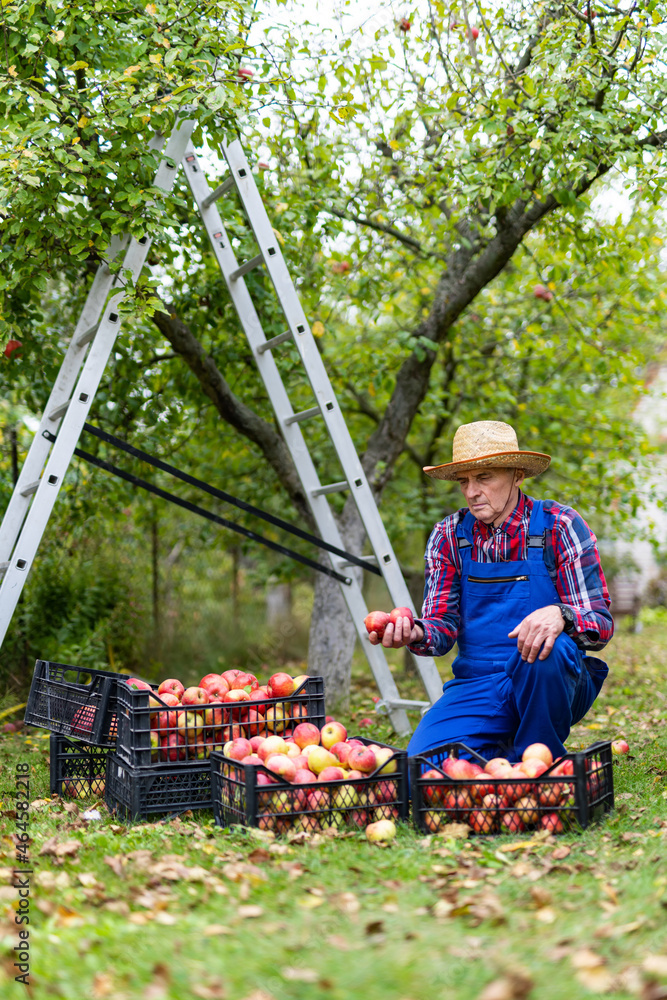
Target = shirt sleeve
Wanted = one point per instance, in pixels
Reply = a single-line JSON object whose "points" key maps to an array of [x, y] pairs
{"points": [[440, 610], [580, 580]]}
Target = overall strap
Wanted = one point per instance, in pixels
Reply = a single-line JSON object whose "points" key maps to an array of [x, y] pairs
{"points": [[536, 543], [464, 535]]}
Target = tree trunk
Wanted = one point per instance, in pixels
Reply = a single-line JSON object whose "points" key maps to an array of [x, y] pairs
{"points": [[332, 634]]}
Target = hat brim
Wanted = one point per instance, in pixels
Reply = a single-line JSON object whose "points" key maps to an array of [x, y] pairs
{"points": [[532, 463]]}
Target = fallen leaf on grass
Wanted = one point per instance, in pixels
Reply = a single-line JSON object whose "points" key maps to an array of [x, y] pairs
{"points": [[259, 995], [68, 918], [214, 990], [88, 880], [561, 852], [458, 831], [161, 981], [213, 930], [66, 849], [250, 911], [514, 985], [590, 970], [620, 930], [310, 902], [115, 863], [540, 896], [347, 902], [300, 975], [258, 856], [102, 986], [339, 942], [656, 964]]}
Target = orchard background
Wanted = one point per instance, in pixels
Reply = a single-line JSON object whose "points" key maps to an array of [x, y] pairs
{"points": [[470, 200]]}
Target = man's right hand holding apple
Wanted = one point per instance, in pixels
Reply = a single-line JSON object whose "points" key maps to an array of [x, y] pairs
{"points": [[403, 633]]}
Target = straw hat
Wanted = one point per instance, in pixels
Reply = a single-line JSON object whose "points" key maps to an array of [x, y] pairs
{"points": [[491, 444]]}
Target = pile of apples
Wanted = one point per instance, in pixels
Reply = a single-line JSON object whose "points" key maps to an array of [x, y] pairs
{"points": [[505, 797], [82, 788], [314, 779], [188, 723]]}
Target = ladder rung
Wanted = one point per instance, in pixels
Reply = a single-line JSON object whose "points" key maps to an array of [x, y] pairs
{"points": [[248, 266], [30, 488], [270, 344], [218, 193], [59, 410], [369, 559], [4, 566], [296, 418], [331, 488], [389, 703], [87, 335]]}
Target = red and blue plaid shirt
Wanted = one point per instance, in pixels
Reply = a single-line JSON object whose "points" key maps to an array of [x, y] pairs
{"points": [[571, 556]]}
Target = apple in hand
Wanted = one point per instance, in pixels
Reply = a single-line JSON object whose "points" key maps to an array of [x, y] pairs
{"points": [[401, 613], [377, 622]]}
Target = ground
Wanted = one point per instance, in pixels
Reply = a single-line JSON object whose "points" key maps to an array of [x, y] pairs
{"points": [[184, 909]]}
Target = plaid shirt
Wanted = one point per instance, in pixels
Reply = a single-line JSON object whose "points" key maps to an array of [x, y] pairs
{"points": [[571, 556]]}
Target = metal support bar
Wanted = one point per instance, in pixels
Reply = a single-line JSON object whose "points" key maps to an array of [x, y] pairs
{"points": [[30, 488], [369, 559], [60, 411], [270, 344], [296, 418], [248, 266], [87, 335], [331, 488], [218, 193]]}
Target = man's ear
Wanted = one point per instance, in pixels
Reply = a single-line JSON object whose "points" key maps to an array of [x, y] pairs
{"points": [[519, 476]]}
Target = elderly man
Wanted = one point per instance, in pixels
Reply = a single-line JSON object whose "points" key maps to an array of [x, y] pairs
{"points": [[518, 584]]}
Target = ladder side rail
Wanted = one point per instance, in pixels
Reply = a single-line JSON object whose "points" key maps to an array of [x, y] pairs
{"points": [[326, 398], [60, 393], [76, 415], [294, 439]]}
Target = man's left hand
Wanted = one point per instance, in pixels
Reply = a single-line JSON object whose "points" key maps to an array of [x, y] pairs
{"points": [[538, 630]]}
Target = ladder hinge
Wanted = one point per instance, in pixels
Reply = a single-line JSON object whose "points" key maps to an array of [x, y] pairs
{"points": [[296, 418], [331, 488], [248, 266]]}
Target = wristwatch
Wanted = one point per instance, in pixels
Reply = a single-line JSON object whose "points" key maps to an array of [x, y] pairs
{"points": [[568, 618]]}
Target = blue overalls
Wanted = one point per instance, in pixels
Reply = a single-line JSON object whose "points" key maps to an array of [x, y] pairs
{"points": [[498, 704]]}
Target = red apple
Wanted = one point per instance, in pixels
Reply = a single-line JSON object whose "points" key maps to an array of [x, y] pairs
{"points": [[495, 763], [11, 346], [229, 675], [539, 751], [281, 764], [239, 749], [271, 745], [542, 292], [245, 73], [481, 822], [551, 793], [565, 768], [256, 742], [377, 622], [306, 734], [253, 759], [265, 779], [342, 751], [362, 759], [304, 776], [331, 773], [401, 613], [474, 31], [456, 767], [381, 832], [512, 822], [216, 688], [404, 24], [259, 699], [243, 681], [171, 686], [263, 165], [552, 822], [527, 809], [301, 762], [82, 721], [172, 747], [433, 793], [299, 680], [620, 747], [282, 685], [459, 801], [138, 685], [331, 733], [433, 820], [195, 696], [534, 767]]}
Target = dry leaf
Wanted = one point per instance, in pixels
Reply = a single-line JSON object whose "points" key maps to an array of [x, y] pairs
{"points": [[68, 918], [102, 986], [213, 930], [540, 896], [66, 849], [347, 902], [88, 880], [213, 990], [339, 942], [546, 915], [456, 830], [561, 852], [656, 964], [115, 863], [258, 856], [310, 902], [259, 994], [441, 908], [249, 912], [300, 975], [514, 985]]}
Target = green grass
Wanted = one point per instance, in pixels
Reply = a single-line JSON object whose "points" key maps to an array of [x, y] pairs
{"points": [[182, 909]]}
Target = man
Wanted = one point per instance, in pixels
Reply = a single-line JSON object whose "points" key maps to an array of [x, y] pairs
{"points": [[518, 584]]}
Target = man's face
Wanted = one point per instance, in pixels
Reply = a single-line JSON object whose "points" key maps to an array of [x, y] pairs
{"points": [[490, 493]]}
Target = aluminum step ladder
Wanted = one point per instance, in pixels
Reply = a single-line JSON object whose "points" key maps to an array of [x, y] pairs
{"points": [[18, 546]]}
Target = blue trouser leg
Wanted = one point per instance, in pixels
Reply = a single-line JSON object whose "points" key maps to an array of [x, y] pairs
{"points": [[501, 714]]}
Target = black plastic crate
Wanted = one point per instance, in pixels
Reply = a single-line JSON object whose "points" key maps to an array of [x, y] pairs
{"points": [[556, 802], [145, 723], [239, 799], [139, 792], [77, 769], [73, 701]]}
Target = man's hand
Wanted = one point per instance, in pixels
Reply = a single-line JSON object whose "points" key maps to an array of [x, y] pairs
{"points": [[400, 634], [538, 630]]}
